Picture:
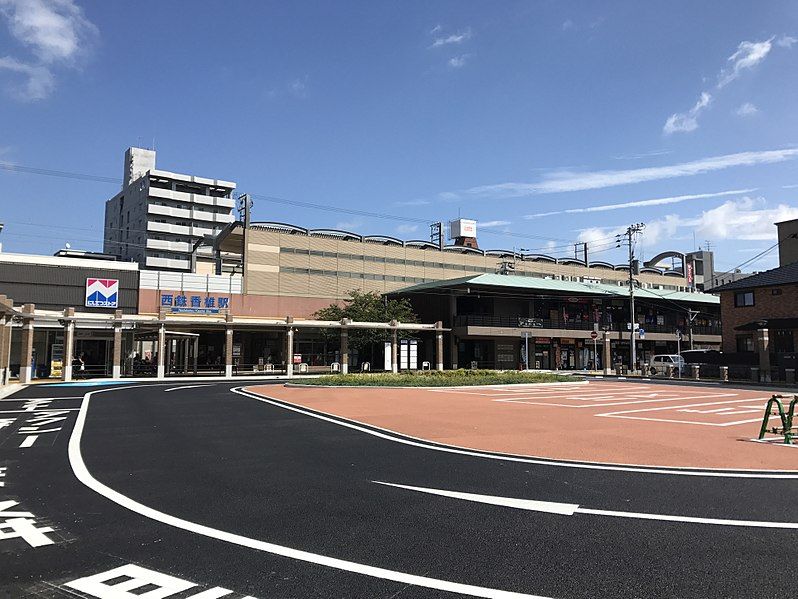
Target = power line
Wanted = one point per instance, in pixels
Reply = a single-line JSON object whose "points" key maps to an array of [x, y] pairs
{"points": [[11, 167]]}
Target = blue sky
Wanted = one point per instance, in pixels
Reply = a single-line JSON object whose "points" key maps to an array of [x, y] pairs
{"points": [[548, 122]]}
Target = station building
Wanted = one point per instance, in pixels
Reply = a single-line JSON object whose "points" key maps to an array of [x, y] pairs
{"points": [[235, 297]]}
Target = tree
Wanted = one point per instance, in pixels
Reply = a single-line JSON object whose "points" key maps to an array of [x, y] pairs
{"points": [[369, 307]]}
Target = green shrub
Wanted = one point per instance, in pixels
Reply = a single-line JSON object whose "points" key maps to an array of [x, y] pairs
{"points": [[434, 378]]}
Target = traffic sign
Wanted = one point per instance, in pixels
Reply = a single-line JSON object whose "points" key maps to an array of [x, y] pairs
{"points": [[593, 335]]}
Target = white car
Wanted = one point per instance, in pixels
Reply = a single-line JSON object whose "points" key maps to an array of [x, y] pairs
{"points": [[659, 364]]}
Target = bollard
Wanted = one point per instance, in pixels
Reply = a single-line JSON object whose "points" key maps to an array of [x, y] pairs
{"points": [[696, 371], [724, 374], [755, 374], [789, 376]]}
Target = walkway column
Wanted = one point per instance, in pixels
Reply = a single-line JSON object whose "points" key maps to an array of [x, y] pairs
{"points": [[394, 348], [4, 358], [116, 368], [344, 346], [26, 354], [228, 347], [453, 347], [607, 359], [69, 343], [439, 345], [161, 349], [763, 347], [289, 351]]}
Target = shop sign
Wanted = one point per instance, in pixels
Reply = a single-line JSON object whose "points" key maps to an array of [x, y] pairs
{"points": [[195, 304], [530, 323], [102, 293], [297, 358], [542, 340]]}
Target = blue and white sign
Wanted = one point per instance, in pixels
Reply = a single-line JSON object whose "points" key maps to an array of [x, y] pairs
{"points": [[102, 293]]}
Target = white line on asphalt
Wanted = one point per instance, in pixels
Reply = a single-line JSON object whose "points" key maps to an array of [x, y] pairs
{"points": [[40, 398], [39, 410], [29, 440], [569, 509], [389, 435], [186, 387], [84, 476]]}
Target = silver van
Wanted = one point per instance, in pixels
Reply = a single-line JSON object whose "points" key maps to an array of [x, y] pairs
{"points": [[658, 365]]}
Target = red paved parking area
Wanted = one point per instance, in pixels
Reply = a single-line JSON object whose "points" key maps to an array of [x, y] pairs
{"points": [[600, 421]]}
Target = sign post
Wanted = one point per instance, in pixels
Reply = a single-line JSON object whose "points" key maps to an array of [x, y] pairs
{"points": [[679, 350], [526, 351], [594, 337]]}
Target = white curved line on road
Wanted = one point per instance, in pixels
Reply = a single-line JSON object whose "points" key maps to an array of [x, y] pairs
{"points": [[569, 509], [405, 439], [187, 387], [84, 476]]}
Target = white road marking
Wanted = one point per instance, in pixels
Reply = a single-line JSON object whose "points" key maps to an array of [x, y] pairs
{"points": [[389, 435], [137, 577], [84, 476], [569, 509], [622, 403], [44, 410], [40, 398], [564, 509], [29, 441], [187, 387], [684, 408]]}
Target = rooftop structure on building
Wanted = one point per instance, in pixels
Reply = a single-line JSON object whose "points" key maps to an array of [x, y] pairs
{"points": [[159, 216]]}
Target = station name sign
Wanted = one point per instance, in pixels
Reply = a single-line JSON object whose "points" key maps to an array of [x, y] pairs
{"points": [[195, 304]]}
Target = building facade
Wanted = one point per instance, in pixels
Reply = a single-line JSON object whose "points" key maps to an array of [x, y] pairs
{"points": [[159, 216], [505, 321]]}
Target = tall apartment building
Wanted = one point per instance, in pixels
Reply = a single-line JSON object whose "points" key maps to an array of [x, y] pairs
{"points": [[158, 216]]}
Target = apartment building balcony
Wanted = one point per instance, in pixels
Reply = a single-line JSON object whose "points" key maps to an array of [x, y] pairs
{"points": [[189, 214], [169, 228], [191, 198], [169, 246], [170, 263]]}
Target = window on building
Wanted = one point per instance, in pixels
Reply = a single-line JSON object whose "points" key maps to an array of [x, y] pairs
{"points": [[743, 298], [745, 343]]}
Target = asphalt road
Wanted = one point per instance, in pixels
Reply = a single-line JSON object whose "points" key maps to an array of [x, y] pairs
{"points": [[181, 484]]}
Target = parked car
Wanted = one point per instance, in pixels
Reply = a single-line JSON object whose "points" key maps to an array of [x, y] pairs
{"points": [[659, 364]]}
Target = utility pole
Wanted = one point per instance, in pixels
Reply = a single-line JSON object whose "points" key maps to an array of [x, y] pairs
{"points": [[691, 314], [629, 239]]}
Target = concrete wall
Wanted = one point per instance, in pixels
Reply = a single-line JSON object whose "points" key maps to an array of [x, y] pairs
{"points": [[298, 265]]}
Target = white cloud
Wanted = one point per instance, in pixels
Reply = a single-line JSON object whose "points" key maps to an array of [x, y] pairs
{"points": [[351, 225], [39, 83], [493, 223], [299, 87], [405, 229], [786, 41], [567, 24], [642, 155], [747, 56], [641, 203], [412, 203], [562, 181], [687, 121], [458, 61], [748, 218], [747, 109], [56, 33], [792, 186], [744, 219], [455, 38], [435, 29]]}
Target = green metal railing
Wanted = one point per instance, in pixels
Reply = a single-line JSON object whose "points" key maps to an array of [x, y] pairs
{"points": [[786, 417]]}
